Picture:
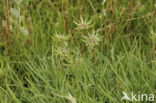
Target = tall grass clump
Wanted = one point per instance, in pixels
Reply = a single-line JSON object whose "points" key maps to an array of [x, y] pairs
{"points": [[77, 51]]}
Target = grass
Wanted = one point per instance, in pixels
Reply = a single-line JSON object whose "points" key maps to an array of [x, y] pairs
{"points": [[37, 67]]}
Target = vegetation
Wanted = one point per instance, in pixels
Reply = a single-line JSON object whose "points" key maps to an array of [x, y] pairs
{"points": [[76, 51]]}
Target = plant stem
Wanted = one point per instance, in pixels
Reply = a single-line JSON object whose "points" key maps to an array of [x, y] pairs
{"points": [[122, 12], [152, 54], [7, 17], [73, 35], [30, 28], [4, 34], [61, 62], [130, 7], [137, 6], [82, 51], [83, 44], [114, 9], [94, 56], [117, 82], [130, 12], [80, 13], [103, 42], [66, 22]]}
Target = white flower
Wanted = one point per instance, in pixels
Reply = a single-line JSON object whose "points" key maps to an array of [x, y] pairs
{"points": [[24, 31], [14, 13]]}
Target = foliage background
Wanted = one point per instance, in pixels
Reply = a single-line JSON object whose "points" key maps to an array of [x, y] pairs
{"points": [[30, 71]]}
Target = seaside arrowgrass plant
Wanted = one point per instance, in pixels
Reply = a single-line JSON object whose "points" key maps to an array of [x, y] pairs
{"points": [[92, 40], [62, 49], [61, 39], [83, 26]]}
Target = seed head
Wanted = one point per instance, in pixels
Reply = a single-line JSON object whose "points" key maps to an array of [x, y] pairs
{"points": [[61, 43], [83, 24], [62, 52], [61, 39], [92, 40]]}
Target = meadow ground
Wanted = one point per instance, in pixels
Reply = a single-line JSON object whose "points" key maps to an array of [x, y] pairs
{"points": [[77, 51]]}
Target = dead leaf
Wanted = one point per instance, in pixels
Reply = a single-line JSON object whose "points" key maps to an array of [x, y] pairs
{"points": [[72, 99]]}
